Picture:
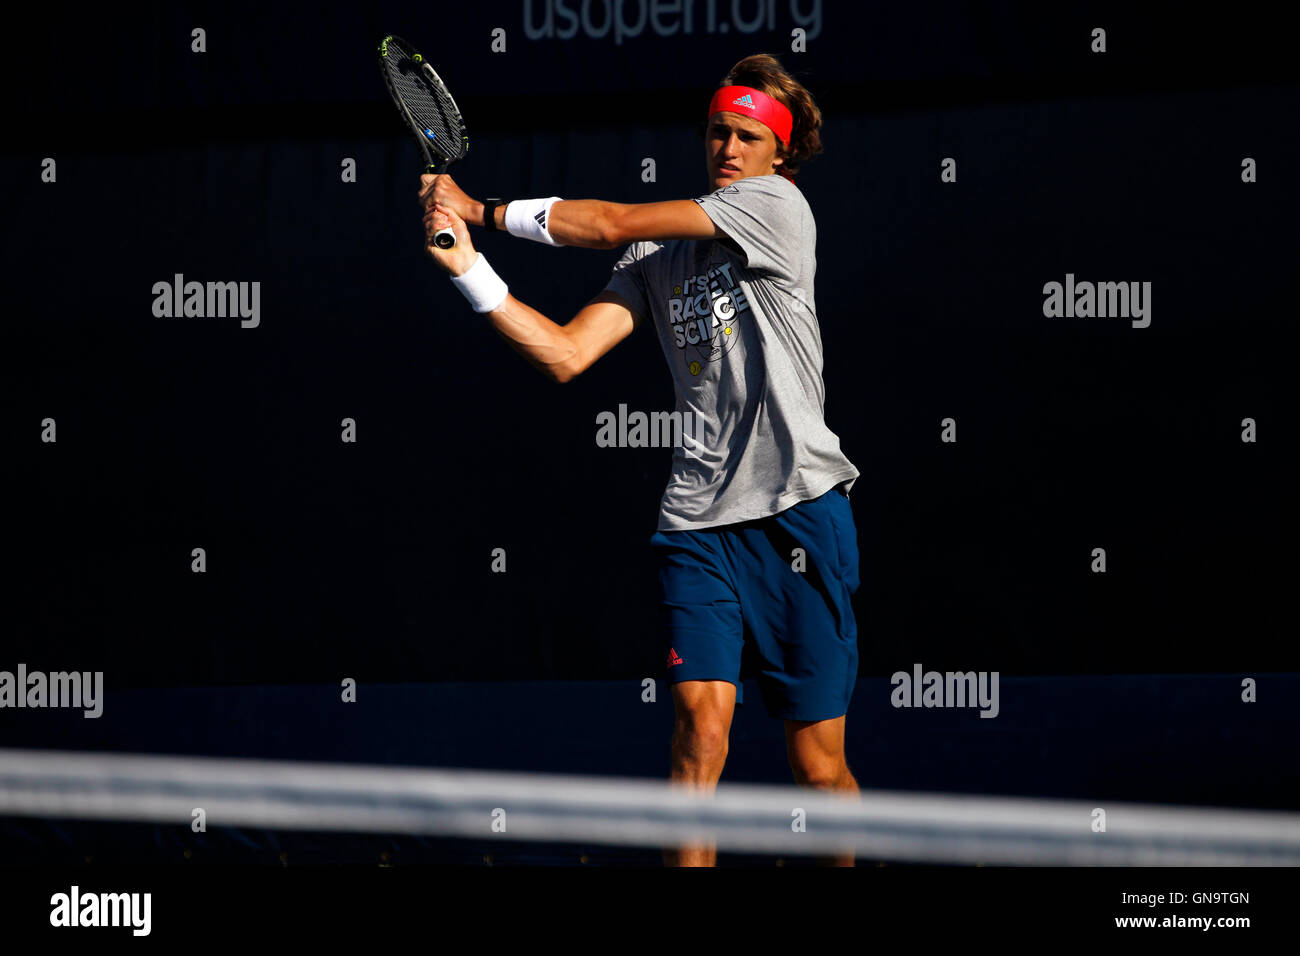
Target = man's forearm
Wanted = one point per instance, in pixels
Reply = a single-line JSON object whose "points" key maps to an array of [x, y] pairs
{"points": [[544, 344], [596, 224], [587, 223]]}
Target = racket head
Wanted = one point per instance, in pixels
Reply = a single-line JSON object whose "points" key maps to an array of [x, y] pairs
{"points": [[424, 102]]}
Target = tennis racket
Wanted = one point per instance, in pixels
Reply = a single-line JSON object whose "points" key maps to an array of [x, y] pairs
{"points": [[429, 110]]}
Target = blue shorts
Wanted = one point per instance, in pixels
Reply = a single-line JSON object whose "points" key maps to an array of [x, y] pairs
{"points": [[734, 604]]}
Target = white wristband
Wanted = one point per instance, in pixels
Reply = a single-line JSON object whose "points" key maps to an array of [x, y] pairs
{"points": [[481, 286], [526, 218]]}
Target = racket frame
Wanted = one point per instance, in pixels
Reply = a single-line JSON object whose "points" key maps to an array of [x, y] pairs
{"points": [[436, 161]]}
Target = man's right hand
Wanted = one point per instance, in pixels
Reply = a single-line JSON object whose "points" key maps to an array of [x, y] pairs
{"points": [[442, 189], [457, 260]]}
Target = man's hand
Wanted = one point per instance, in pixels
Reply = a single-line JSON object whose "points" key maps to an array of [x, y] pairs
{"points": [[444, 191], [458, 259]]}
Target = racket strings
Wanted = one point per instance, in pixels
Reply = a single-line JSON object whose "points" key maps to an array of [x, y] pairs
{"points": [[428, 106]]}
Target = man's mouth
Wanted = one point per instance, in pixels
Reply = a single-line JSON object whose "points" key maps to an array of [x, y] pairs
{"points": [[728, 169]]}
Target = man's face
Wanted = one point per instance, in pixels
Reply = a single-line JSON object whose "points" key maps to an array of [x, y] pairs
{"points": [[736, 147]]}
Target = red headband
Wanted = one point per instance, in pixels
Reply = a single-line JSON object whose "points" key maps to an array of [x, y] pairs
{"points": [[748, 101]]}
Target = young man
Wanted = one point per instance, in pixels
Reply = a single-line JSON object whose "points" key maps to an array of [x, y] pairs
{"points": [[756, 542]]}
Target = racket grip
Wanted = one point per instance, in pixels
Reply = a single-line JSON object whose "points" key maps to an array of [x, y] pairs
{"points": [[444, 238]]}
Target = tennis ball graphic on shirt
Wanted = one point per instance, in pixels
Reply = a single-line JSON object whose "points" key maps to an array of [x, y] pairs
{"points": [[694, 368], [727, 330]]}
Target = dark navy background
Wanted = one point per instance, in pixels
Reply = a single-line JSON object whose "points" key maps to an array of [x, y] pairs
{"points": [[372, 560]]}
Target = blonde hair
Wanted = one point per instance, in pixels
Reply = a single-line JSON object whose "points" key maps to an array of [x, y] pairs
{"points": [[764, 72]]}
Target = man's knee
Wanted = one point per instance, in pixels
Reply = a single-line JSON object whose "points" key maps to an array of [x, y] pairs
{"points": [[821, 773], [702, 735], [704, 712]]}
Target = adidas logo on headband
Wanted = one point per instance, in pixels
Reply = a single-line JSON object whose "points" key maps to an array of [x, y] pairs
{"points": [[755, 104]]}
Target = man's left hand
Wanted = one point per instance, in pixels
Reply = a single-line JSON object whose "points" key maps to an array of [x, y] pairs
{"points": [[442, 189]]}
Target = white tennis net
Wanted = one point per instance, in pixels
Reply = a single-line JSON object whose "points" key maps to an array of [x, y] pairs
{"points": [[922, 827]]}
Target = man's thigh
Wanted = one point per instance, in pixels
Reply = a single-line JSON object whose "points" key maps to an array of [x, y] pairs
{"points": [[700, 619], [798, 571]]}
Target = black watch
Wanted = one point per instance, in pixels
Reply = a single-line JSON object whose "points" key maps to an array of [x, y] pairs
{"points": [[489, 213]]}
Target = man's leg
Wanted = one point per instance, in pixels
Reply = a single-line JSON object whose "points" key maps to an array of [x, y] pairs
{"points": [[816, 752], [704, 710]]}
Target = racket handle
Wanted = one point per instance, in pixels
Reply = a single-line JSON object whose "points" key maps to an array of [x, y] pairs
{"points": [[444, 238]]}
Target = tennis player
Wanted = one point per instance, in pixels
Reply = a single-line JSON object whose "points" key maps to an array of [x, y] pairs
{"points": [[756, 544]]}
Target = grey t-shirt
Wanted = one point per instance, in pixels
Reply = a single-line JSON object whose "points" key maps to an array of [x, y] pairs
{"points": [[738, 325]]}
